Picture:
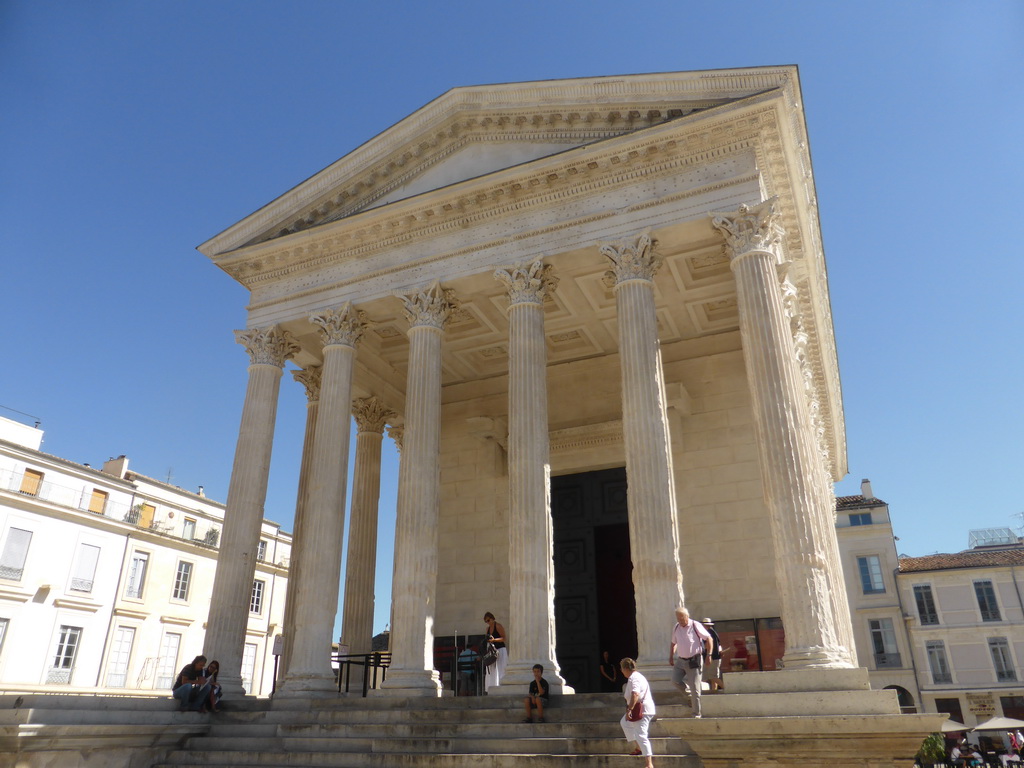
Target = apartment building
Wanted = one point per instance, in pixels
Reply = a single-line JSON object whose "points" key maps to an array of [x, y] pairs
{"points": [[106, 574], [946, 631]]}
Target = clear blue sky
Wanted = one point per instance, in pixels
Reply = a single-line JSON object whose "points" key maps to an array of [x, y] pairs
{"points": [[130, 132]]}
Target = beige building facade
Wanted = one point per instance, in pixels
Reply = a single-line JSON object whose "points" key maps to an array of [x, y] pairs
{"points": [[946, 631], [105, 576]]}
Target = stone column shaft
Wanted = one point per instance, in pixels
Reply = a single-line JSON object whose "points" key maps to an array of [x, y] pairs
{"points": [[653, 528], [357, 616], [243, 517], [531, 547], [316, 589], [784, 439], [414, 584], [310, 378]]}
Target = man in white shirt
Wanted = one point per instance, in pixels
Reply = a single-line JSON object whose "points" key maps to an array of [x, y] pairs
{"points": [[690, 644]]}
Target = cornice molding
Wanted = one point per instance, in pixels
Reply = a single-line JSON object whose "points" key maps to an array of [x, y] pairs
{"points": [[76, 605], [539, 107]]}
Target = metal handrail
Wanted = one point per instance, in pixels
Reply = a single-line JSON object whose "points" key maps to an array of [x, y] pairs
{"points": [[375, 660]]}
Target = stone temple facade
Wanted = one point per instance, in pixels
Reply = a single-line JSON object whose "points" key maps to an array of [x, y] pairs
{"points": [[538, 286]]}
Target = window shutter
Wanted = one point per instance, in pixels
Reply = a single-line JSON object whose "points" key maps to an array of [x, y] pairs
{"points": [[85, 568]]}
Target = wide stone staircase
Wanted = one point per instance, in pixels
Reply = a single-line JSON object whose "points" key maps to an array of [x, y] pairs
{"points": [[472, 732]]}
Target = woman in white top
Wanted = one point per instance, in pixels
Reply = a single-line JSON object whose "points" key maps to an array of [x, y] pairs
{"points": [[637, 689]]}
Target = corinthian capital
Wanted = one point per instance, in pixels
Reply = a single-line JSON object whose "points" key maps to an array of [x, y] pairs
{"points": [[527, 283], [343, 326], [751, 229], [397, 433], [431, 307], [310, 379], [637, 261], [267, 346], [371, 414]]}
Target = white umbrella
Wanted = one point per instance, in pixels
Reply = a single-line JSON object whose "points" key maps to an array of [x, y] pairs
{"points": [[952, 726], [999, 724]]}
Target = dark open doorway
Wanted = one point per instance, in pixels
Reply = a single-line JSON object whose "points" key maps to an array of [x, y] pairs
{"points": [[595, 609]]}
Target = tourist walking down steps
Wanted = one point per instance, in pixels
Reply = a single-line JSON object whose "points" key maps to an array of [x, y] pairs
{"points": [[637, 691], [690, 644]]}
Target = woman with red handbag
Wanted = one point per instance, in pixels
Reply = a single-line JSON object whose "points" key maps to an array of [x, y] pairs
{"points": [[639, 710]]}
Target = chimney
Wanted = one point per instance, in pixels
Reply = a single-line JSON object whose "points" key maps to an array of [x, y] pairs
{"points": [[117, 467], [200, 492], [865, 489]]}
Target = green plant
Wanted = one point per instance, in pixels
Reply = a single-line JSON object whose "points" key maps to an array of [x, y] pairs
{"points": [[933, 750]]}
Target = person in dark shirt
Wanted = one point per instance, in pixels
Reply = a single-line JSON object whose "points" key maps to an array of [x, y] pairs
{"points": [[538, 695], [191, 688], [609, 674]]}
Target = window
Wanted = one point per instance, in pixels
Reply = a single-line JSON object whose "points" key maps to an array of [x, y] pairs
{"points": [[256, 600], [952, 708], [85, 568], [31, 481], [925, 604], [120, 653], [146, 514], [1001, 659], [248, 666], [137, 575], [12, 561], [189, 531], [64, 657], [167, 669], [987, 601], [261, 551], [3, 632], [860, 518], [1013, 706], [98, 501], [883, 643], [937, 661], [181, 581], [870, 575]]}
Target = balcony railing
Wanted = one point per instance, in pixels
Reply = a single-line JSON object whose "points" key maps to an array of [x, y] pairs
{"points": [[887, 661]]}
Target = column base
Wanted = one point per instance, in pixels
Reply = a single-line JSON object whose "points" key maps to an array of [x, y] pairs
{"points": [[231, 687], [816, 658], [411, 682], [306, 686], [519, 674]]}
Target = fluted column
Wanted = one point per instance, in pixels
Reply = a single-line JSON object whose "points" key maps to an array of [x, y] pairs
{"points": [[784, 439], [310, 379], [268, 350], [419, 484], [316, 590], [531, 568], [651, 498], [824, 504], [357, 618]]}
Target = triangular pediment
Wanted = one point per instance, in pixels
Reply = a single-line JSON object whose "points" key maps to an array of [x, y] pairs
{"points": [[477, 130]]}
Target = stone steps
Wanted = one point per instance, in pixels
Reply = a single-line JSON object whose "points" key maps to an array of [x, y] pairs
{"points": [[427, 733], [252, 759]]}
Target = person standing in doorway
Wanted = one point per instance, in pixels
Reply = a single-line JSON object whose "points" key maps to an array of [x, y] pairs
{"points": [[496, 636], [609, 674], [690, 643]]}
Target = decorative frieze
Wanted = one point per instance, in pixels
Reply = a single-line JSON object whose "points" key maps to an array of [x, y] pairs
{"points": [[268, 346]]}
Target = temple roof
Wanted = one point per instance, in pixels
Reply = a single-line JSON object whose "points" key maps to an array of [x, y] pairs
{"points": [[472, 131]]}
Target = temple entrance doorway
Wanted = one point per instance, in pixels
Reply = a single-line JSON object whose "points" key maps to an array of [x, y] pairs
{"points": [[595, 610]]}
